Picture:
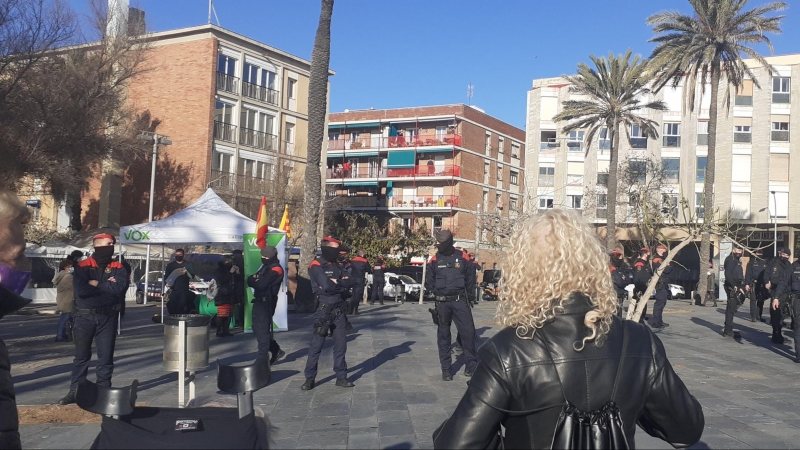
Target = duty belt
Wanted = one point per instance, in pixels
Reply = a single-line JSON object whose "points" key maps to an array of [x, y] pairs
{"points": [[446, 298], [104, 310]]}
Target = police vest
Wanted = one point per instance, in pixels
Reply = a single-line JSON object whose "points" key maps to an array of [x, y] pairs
{"points": [[449, 274], [795, 279]]}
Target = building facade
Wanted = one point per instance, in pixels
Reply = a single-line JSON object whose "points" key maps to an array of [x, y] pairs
{"points": [[236, 112], [439, 166], [758, 149]]}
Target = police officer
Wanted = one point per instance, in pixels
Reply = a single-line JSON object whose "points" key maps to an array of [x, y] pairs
{"points": [[360, 267], [734, 286], [791, 287], [641, 277], [329, 285], [619, 278], [775, 276], [378, 281], [477, 271], [452, 281], [754, 282], [266, 284], [662, 285], [98, 282]]}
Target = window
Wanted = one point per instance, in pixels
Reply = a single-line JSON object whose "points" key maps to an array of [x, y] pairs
{"points": [[605, 139], [498, 201], [575, 201], [485, 200], [291, 87], [289, 138], [437, 221], [499, 172], [223, 112], [781, 90], [256, 129], [699, 205], [672, 135], [779, 205], [701, 168], [702, 133], [741, 129], [488, 143], [740, 205], [741, 168], [514, 150], [500, 144], [545, 202], [638, 140], [779, 167], [548, 142], [486, 166], [514, 178], [441, 133], [745, 96], [223, 122], [638, 171], [601, 211], [575, 173], [35, 213], [512, 204], [672, 169], [226, 64], [575, 141], [221, 161], [547, 175], [669, 206], [253, 169], [259, 83], [780, 131]]}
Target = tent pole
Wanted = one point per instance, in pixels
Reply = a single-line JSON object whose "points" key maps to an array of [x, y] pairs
{"points": [[146, 273], [162, 284]]}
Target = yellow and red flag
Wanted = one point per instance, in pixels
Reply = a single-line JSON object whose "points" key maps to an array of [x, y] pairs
{"points": [[261, 224], [284, 226]]}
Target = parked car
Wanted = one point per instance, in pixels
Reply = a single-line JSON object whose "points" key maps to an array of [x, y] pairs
{"points": [[408, 292], [154, 281], [676, 291]]}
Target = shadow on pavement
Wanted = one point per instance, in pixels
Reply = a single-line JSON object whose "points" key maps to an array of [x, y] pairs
{"points": [[759, 338], [400, 446], [373, 363], [461, 359]]}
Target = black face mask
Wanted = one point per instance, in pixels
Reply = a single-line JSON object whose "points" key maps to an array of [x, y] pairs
{"points": [[341, 258], [330, 253], [616, 262], [266, 261], [179, 258], [103, 254], [445, 247]]}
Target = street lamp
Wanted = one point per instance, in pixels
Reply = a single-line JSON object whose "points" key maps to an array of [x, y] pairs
{"points": [[155, 138], [775, 220]]}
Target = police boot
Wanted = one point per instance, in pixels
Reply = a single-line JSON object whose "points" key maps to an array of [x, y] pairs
{"points": [[68, 399], [777, 337], [355, 308], [308, 385], [343, 382], [446, 375]]}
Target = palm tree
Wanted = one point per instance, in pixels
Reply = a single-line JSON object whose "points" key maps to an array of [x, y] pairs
{"points": [[317, 110], [703, 48], [612, 94]]}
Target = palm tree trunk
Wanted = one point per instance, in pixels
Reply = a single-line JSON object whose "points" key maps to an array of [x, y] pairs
{"points": [[317, 110], [611, 196], [708, 186]]}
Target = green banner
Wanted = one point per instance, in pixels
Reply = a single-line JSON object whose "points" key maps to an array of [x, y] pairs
{"points": [[252, 262]]}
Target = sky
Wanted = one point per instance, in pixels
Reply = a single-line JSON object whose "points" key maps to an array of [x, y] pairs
{"points": [[391, 54]]}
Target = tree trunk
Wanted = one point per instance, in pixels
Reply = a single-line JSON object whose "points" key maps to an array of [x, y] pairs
{"points": [[635, 314], [708, 185], [317, 110], [611, 196], [75, 209]]}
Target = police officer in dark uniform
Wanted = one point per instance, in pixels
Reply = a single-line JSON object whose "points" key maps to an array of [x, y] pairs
{"points": [[98, 282], [775, 276], [266, 284], [641, 277], [790, 287], [619, 278], [734, 287], [329, 285], [452, 281], [662, 285], [360, 267], [378, 281], [754, 282], [477, 271]]}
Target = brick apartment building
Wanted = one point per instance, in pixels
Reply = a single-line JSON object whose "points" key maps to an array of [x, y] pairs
{"points": [[236, 112], [757, 150], [432, 164]]}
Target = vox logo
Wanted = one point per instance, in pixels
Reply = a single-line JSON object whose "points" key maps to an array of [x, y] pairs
{"points": [[137, 236]]}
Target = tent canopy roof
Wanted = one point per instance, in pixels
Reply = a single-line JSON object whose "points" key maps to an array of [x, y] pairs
{"points": [[209, 220]]}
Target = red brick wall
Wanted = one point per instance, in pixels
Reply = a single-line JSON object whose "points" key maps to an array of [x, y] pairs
{"points": [[178, 90]]}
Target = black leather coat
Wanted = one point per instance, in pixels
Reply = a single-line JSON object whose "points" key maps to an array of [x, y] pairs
{"points": [[518, 375], [9, 420]]}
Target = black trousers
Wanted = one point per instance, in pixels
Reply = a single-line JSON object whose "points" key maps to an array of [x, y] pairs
{"points": [[262, 328], [338, 328], [730, 309], [377, 293], [460, 313], [358, 297], [101, 329], [757, 296], [658, 308]]}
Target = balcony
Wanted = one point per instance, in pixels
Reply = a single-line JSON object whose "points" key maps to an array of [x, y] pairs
{"points": [[258, 139], [672, 141], [781, 97], [601, 213], [575, 146], [424, 170], [223, 181], [574, 180], [743, 138], [225, 132], [744, 100], [639, 143], [242, 184], [357, 201], [289, 148], [546, 147], [376, 142], [547, 180], [358, 172], [227, 83], [702, 139], [260, 93], [422, 201], [780, 136]]}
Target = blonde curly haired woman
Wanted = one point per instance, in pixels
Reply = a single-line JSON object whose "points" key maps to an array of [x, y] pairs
{"points": [[563, 342]]}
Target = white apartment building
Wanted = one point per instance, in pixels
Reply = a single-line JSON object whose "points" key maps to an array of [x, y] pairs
{"points": [[757, 159]]}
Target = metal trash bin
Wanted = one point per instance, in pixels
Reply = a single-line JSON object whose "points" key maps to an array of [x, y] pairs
{"points": [[196, 343]]}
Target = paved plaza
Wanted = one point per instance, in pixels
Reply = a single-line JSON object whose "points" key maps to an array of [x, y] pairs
{"points": [[749, 389]]}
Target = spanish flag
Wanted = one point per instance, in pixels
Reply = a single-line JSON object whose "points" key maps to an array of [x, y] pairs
{"points": [[261, 224], [284, 226]]}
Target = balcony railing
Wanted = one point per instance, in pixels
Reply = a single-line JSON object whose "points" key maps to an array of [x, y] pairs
{"points": [[424, 170], [224, 132], [742, 137], [574, 180], [702, 139], [781, 97], [357, 172], [357, 201], [261, 93], [575, 146], [744, 100], [547, 180], [223, 181], [243, 184], [780, 136], [258, 139], [639, 142], [227, 83], [423, 201], [549, 146], [672, 141], [288, 148], [601, 213], [375, 142]]}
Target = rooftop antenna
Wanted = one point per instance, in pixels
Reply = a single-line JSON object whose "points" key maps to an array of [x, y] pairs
{"points": [[210, 10], [470, 90]]}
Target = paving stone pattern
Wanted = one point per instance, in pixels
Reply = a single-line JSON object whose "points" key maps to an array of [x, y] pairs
{"points": [[748, 388]]}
